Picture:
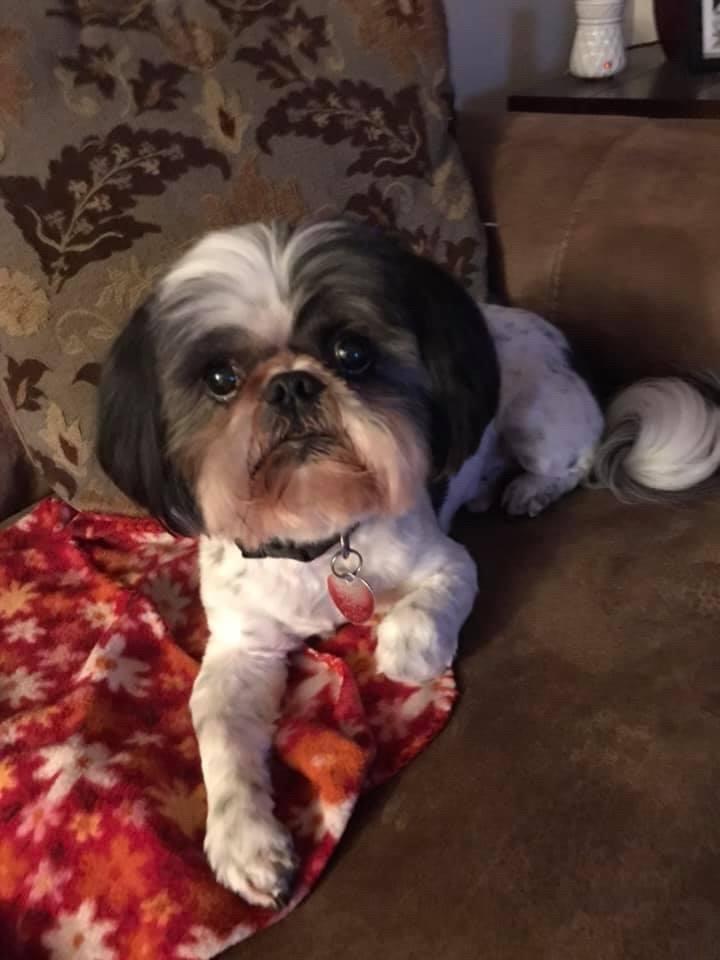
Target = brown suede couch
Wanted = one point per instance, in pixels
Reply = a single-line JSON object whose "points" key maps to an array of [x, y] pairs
{"points": [[570, 809]]}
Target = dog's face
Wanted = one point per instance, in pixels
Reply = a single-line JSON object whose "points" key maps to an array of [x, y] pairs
{"points": [[289, 385]]}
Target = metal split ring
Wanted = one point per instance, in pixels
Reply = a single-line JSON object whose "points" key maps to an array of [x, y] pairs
{"points": [[343, 556]]}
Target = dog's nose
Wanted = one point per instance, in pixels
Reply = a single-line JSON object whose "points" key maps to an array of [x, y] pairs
{"points": [[294, 390]]}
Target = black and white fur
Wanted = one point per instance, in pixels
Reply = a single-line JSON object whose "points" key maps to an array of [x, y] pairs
{"points": [[452, 392]]}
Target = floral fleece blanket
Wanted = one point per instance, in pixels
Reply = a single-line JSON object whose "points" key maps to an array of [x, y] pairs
{"points": [[102, 805]]}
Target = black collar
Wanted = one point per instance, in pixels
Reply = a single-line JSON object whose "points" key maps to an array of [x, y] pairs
{"points": [[289, 550]]}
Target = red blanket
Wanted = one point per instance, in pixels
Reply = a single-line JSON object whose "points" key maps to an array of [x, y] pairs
{"points": [[102, 806]]}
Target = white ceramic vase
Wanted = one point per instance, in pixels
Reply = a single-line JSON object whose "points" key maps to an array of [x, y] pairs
{"points": [[599, 47]]}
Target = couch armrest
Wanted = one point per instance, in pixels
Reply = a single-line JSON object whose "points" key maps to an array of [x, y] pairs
{"points": [[610, 227]]}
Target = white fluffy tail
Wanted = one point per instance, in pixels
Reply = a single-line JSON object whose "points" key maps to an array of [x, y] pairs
{"points": [[662, 438]]}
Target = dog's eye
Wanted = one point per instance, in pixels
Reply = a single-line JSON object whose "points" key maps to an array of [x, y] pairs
{"points": [[354, 355], [221, 380]]}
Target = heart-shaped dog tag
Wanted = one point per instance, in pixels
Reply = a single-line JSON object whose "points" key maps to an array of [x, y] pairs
{"points": [[352, 596]]}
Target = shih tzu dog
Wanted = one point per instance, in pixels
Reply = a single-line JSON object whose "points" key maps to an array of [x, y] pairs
{"points": [[308, 401]]}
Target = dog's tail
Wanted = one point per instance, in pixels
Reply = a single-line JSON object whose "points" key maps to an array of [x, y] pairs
{"points": [[661, 440]]}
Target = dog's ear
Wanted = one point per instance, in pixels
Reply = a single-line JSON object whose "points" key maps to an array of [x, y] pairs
{"points": [[459, 355], [131, 433]]}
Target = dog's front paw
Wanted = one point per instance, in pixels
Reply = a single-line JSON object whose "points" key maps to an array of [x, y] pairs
{"points": [[410, 646], [250, 853]]}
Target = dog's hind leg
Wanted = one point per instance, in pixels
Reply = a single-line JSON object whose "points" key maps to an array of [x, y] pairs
{"points": [[530, 493], [552, 434]]}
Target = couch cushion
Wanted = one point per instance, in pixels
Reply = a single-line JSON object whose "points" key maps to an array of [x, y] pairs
{"points": [[569, 811], [129, 128], [608, 226]]}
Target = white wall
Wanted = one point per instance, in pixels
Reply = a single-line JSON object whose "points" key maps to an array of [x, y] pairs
{"points": [[642, 21], [497, 45]]}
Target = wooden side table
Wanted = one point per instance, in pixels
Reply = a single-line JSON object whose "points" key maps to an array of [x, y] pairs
{"points": [[650, 86]]}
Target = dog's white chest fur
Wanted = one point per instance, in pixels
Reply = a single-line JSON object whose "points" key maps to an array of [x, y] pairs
{"points": [[396, 552]]}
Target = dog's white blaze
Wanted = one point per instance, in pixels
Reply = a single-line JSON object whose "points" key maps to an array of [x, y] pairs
{"points": [[237, 277]]}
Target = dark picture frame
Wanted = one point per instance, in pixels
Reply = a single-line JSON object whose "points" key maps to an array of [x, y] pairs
{"points": [[704, 47]]}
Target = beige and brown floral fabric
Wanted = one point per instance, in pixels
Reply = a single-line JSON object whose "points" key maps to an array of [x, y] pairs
{"points": [[128, 127]]}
